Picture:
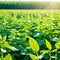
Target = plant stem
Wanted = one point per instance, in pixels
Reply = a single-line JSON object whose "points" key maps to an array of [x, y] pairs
{"points": [[50, 55], [56, 55], [37, 55], [2, 48], [2, 57]]}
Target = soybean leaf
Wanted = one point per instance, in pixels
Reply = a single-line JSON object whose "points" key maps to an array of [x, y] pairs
{"points": [[0, 37], [48, 45], [4, 38], [33, 57], [57, 45], [33, 44], [7, 46], [8, 57]]}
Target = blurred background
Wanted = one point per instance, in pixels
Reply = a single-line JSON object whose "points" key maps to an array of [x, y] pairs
{"points": [[29, 4]]}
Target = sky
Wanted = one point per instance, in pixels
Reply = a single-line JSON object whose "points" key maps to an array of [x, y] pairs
{"points": [[33, 0]]}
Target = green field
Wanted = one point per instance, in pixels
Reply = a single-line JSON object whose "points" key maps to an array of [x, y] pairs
{"points": [[29, 34]]}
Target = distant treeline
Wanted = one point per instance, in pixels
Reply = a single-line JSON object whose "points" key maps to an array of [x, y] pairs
{"points": [[29, 5]]}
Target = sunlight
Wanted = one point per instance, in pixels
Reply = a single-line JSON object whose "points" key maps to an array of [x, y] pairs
{"points": [[52, 6]]}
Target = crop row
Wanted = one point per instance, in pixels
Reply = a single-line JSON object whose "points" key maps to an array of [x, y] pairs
{"points": [[29, 35]]}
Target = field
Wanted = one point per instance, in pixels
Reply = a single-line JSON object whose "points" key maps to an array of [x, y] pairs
{"points": [[29, 34]]}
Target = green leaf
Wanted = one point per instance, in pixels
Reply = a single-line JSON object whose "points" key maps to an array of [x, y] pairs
{"points": [[4, 38], [0, 37], [57, 45], [33, 57], [48, 45], [7, 45], [8, 57], [33, 44], [0, 58]]}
